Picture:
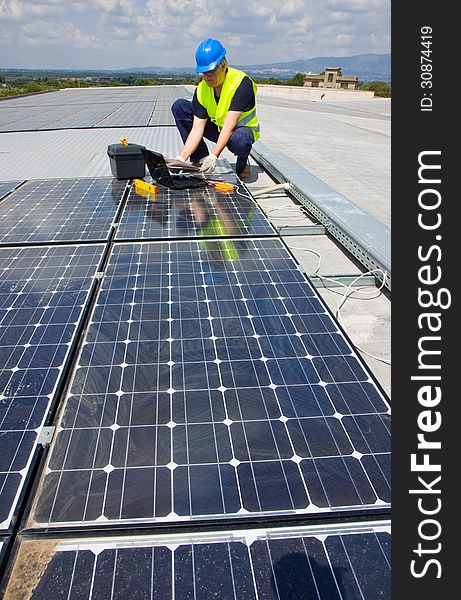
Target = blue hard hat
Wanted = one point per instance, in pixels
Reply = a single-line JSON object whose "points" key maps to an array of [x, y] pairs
{"points": [[208, 55]]}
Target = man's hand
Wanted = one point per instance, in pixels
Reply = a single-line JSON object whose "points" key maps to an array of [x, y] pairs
{"points": [[179, 157], [209, 164]]}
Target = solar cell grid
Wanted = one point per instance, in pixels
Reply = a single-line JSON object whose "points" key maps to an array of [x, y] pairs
{"points": [[91, 108], [44, 99], [14, 114], [64, 210], [161, 116], [331, 565], [129, 113], [86, 115], [213, 383], [200, 212], [38, 118], [7, 186], [43, 291]]}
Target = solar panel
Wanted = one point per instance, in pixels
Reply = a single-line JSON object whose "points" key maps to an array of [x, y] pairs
{"points": [[8, 116], [39, 117], [330, 564], [75, 109], [86, 115], [161, 116], [129, 114], [192, 213], [7, 186], [213, 383], [43, 291], [64, 210]]}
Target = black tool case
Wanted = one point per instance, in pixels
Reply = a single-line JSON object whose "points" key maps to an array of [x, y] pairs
{"points": [[126, 162]]}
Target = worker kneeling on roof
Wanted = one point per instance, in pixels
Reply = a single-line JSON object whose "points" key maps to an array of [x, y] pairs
{"points": [[222, 110]]}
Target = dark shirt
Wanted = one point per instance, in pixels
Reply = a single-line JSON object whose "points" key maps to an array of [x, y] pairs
{"points": [[243, 100]]}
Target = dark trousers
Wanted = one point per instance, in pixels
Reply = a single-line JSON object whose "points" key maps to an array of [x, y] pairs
{"points": [[240, 142]]}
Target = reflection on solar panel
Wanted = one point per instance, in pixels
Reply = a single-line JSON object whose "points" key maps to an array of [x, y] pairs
{"points": [[302, 564], [192, 213], [91, 108], [213, 383], [64, 210], [7, 186], [42, 294]]}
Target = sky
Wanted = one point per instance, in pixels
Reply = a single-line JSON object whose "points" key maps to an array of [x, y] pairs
{"points": [[118, 34]]}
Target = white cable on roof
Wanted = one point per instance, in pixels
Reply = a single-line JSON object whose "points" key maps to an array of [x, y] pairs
{"points": [[271, 188], [284, 207], [348, 293]]}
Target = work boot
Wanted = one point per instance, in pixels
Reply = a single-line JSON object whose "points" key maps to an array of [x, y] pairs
{"points": [[246, 173]]}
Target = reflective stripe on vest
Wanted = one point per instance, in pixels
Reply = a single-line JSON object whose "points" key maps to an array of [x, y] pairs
{"points": [[218, 112]]}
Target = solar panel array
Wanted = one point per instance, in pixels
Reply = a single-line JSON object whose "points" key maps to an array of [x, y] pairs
{"points": [[43, 293], [64, 210], [86, 108], [95, 95], [210, 372], [301, 564], [194, 377], [192, 213]]}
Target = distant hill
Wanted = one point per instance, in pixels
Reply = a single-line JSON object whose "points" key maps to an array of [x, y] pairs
{"points": [[367, 67]]}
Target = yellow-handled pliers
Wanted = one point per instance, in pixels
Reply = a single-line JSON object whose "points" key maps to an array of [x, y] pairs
{"points": [[220, 185]]}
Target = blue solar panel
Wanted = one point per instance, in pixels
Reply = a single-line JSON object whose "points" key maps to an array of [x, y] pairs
{"points": [[303, 564], [202, 212], [60, 210], [214, 383], [98, 108], [43, 292], [7, 186]]}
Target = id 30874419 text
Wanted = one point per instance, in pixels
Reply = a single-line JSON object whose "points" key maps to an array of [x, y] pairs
{"points": [[426, 68]]}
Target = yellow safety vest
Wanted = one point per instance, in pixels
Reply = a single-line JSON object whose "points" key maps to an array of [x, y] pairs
{"points": [[217, 112]]}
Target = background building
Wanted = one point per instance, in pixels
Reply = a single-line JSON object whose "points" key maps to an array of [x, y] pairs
{"points": [[332, 78]]}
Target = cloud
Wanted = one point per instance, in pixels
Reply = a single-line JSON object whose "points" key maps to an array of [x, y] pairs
{"points": [[358, 6], [122, 33], [270, 31], [118, 7], [39, 33], [23, 10]]}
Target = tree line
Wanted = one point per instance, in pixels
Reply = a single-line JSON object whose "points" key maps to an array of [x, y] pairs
{"points": [[19, 86]]}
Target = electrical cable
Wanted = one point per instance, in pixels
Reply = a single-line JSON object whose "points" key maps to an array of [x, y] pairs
{"points": [[277, 186], [237, 189], [284, 207], [348, 293]]}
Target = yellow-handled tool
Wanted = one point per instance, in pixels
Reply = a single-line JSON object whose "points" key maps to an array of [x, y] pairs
{"points": [[143, 186], [224, 187], [124, 141], [220, 185]]}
